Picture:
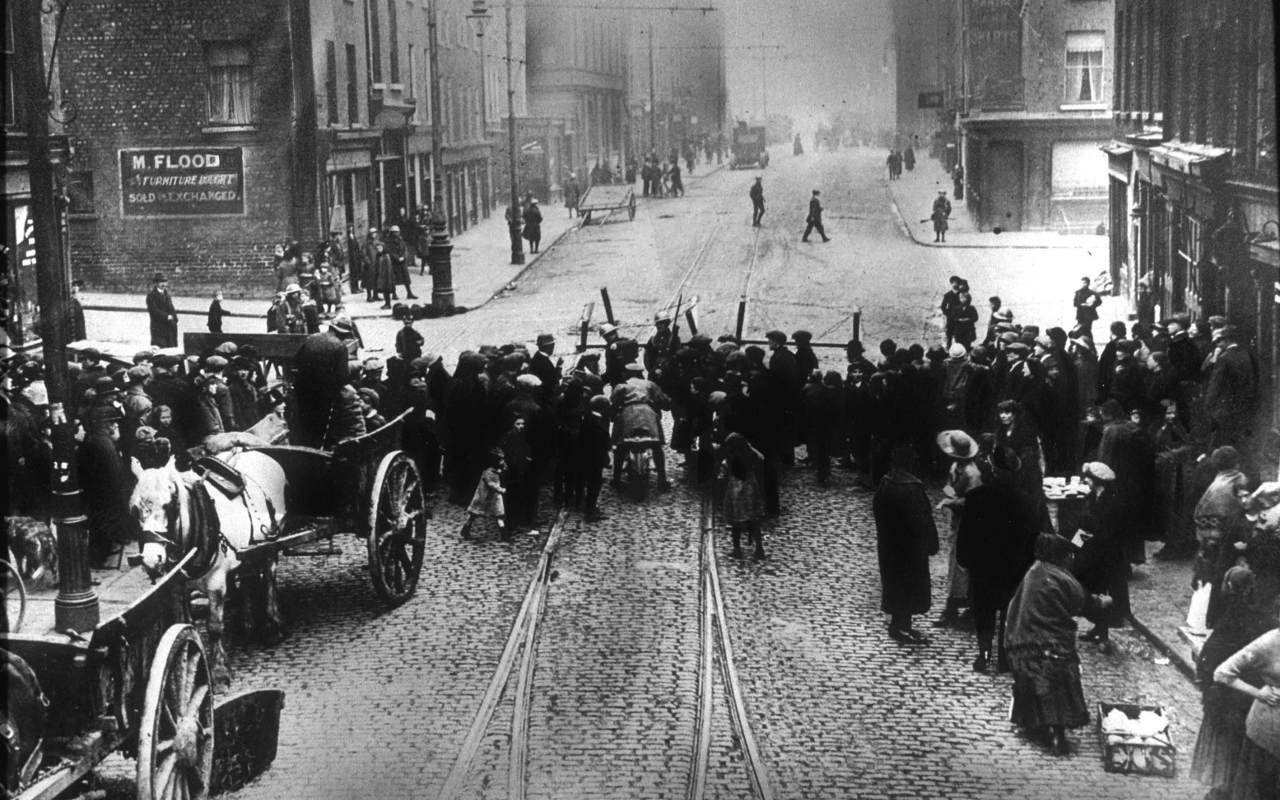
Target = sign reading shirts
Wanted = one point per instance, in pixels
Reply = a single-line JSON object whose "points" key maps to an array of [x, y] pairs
{"points": [[189, 182]]}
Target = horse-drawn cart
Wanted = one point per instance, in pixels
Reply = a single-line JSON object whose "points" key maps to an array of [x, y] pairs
{"points": [[606, 199], [367, 485], [139, 684]]}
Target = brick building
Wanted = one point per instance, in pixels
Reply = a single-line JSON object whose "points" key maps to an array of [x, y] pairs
{"points": [[926, 48], [1035, 109], [1193, 166]]}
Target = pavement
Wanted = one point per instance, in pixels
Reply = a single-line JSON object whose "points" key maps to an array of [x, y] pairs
{"points": [[913, 195]]}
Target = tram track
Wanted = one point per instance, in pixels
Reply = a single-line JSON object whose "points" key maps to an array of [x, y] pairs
{"points": [[521, 644], [716, 642]]}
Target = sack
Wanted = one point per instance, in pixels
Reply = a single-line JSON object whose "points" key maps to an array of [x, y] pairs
{"points": [[1262, 726]]}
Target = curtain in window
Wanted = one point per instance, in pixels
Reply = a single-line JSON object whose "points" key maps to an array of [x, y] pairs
{"points": [[230, 84], [1084, 68]]}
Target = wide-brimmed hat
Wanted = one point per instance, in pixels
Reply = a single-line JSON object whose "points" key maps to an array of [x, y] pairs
{"points": [[341, 325], [957, 444], [546, 338], [293, 288], [957, 350], [104, 385], [1006, 458]]}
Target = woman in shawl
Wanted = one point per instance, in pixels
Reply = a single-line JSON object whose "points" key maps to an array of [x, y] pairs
{"points": [[1220, 524], [1254, 672], [1217, 752], [1041, 641], [743, 502]]}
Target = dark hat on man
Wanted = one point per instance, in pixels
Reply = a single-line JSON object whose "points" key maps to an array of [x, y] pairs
{"points": [[104, 385], [215, 363], [546, 338], [802, 337], [166, 361], [159, 277], [103, 414], [936, 353], [341, 325], [139, 374], [1019, 349], [816, 192], [1113, 410], [855, 346], [777, 337], [77, 283], [91, 354]]}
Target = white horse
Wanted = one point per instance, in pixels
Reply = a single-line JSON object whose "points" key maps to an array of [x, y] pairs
{"points": [[181, 511]]}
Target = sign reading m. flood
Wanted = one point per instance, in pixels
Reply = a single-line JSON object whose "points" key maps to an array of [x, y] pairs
{"points": [[194, 182]]}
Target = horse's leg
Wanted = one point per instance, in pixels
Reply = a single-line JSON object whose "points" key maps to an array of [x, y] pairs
{"points": [[270, 622], [216, 585]]}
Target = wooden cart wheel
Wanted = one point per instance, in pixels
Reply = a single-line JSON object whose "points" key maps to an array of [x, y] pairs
{"points": [[175, 733], [15, 598], [397, 528], [631, 208]]}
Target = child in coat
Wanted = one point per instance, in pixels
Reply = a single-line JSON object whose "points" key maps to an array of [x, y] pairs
{"points": [[487, 501], [329, 287]]}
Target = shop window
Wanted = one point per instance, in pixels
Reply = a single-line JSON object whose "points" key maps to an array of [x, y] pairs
{"points": [[230, 83], [80, 193], [1084, 67]]}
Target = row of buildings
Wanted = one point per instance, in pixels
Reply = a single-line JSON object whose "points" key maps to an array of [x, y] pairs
{"points": [[198, 136], [1153, 120]]}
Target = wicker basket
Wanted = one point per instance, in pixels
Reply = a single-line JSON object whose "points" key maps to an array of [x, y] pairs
{"points": [[1136, 755]]}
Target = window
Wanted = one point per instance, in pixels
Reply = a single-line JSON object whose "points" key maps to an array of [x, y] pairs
{"points": [[331, 81], [1084, 67], [410, 68], [10, 96], [353, 91], [393, 45], [230, 83], [80, 191], [375, 42]]}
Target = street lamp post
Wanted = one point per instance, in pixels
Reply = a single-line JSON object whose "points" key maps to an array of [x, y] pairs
{"points": [[440, 249], [517, 249], [479, 18]]}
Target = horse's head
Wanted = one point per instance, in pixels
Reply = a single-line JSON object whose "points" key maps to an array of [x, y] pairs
{"points": [[158, 503]]}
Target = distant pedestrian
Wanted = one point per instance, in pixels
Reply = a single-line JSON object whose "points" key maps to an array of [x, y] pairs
{"points": [[797, 148], [216, 313], [77, 312], [400, 255], [1086, 302], [814, 220], [164, 317], [533, 225], [677, 185], [383, 276], [757, 200], [355, 260], [487, 501], [957, 182], [941, 213], [573, 193], [905, 538], [909, 158]]}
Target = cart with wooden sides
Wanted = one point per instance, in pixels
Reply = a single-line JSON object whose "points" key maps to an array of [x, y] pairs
{"points": [[604, 199], [368, 486], [137, 684]]}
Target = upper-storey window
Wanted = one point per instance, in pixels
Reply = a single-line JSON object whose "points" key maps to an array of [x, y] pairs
{"points": [[1084, 67], [230, 83]]}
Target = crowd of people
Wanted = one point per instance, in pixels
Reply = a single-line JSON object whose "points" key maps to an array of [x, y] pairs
{"points": [[1159, 425]]}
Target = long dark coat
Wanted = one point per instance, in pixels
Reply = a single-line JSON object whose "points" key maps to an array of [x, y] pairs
{"points": [[164, 319], [384, 279], [996, 540], [105, 484], [532, 223], [906, 536]]}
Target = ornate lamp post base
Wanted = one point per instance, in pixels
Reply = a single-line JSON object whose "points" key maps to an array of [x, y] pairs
{"points": [[439, 256], [517, 249]]}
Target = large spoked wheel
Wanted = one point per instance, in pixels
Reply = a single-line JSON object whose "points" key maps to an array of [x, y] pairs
{"points": [[397, 528], [631, 208], [175, 737], [15, 597]]}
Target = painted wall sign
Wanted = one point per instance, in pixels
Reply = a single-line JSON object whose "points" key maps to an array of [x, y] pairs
{"points": [[187, 182], [995, 53]]}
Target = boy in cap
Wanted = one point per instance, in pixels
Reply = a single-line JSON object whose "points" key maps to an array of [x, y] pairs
{"points": [[408, 341]]}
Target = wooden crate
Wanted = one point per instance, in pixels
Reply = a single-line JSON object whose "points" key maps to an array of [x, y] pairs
{"points": [[1136, 755]]}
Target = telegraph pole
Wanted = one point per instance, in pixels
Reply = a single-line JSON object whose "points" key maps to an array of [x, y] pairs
{"points": [[653, 103], [517, 248], [76, 606]]}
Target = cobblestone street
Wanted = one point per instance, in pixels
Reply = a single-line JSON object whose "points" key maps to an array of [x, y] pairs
{"points": [[379, 702]]}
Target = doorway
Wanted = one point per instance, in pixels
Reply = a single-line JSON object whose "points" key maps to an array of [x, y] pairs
{"points": [[1002, 185]]}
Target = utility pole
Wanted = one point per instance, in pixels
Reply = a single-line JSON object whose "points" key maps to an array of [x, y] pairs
{"points": [[76, 606], [517, 249], [440, 249], [653, 102]]}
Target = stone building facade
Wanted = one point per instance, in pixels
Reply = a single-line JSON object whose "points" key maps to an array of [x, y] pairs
{"points": [[1035, 110]]}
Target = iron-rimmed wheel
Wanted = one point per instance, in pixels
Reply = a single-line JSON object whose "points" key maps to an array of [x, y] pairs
{"points": [[175, 735], [631, 208], [397, 527], [15, 596]]}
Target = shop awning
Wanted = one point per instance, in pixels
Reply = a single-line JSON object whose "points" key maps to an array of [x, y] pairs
{"points": [[1197, 160]]}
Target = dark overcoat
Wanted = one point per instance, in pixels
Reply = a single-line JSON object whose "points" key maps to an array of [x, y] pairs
{"points": [[996, 540], [164, 319], [906, 536]]}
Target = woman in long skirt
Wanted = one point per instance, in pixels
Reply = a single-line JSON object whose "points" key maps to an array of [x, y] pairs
{"points": [[1048, 697], [743, 501]]}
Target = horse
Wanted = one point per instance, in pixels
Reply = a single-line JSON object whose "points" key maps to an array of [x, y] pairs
{"points": [[233, 501]]}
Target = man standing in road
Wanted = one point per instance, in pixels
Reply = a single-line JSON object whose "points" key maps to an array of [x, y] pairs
{"points": [[757, 202], [814, 219], [164, 318], [905, 538], [1086, 302]]}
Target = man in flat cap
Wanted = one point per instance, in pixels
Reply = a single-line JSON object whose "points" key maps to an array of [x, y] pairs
{"points": [[164, 317], [806, 359], [814, 221], [1232, 392], [544, 368]]}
